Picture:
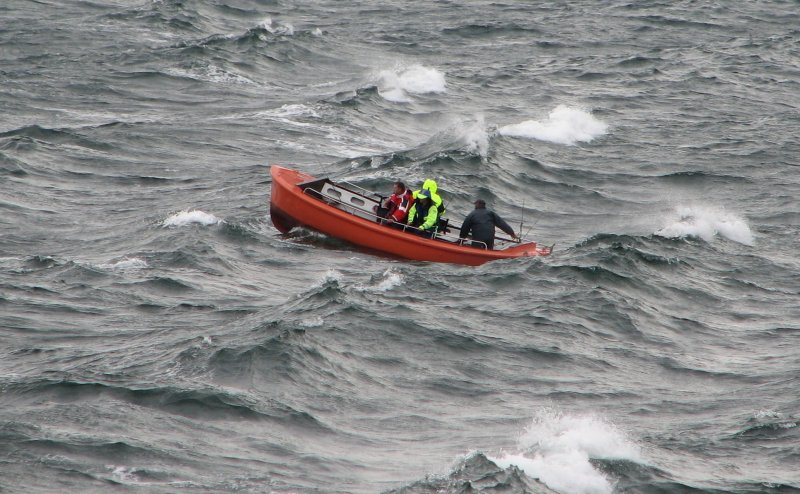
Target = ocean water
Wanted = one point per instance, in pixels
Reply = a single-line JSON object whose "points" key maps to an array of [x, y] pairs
{"points": [[158, 334]]}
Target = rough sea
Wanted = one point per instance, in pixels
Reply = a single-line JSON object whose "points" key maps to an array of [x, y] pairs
{"points": [[159, 335]]}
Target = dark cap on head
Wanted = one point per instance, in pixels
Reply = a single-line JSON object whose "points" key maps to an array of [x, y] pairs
{"points": [[480, 203]]}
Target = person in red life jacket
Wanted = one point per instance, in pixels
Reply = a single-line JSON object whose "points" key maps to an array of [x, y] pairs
{"points": [[481, 222], [398, 204]]}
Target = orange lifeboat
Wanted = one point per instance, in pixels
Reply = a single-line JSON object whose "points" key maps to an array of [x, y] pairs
{"points": [[347, 212]]}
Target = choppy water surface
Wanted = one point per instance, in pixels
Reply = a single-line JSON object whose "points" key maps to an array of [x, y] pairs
{"points": [[160, 335]]}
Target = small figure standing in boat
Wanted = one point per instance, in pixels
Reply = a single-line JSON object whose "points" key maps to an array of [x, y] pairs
{"points": [[481, 222], [397, 206]]}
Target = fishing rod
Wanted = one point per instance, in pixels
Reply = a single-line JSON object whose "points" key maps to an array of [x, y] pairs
{"points": [[521, 236], [528, 231]]}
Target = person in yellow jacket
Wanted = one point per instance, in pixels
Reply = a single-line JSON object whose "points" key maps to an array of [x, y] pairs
{"points": [[424, 215], [430, 186]]}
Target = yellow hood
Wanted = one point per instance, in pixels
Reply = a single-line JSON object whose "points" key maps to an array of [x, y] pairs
{"points": [[429, 185]]}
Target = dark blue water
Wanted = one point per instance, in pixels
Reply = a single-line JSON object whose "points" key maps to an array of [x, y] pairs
{"points": [[158, 334]]}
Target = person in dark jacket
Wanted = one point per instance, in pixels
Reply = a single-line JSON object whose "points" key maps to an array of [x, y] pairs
{"points": [[481, 223]]}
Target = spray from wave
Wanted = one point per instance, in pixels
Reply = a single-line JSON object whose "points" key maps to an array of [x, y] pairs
{"points": [[557, 448], [388, 280], [125, 264], [278, 28], [564, 125], [475, 137], [462, 134], [185, 218], [396, 85], [706, 223]]}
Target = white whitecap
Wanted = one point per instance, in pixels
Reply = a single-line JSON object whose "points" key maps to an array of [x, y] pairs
{"points": [[126, 263], [210, 73], [776, 418], [389, 280], [312, 322], [767, 414], [463, 134], [475, 137], [185, 218], [291, 115], [422, 80], [291, 110], [568, 471], [266, 23], [223, 76], [557, 449], [287, 29], [279, 28], [395, 95], [124, 475], [706, 223], [395, 85], [564, 125], [330, 277]]}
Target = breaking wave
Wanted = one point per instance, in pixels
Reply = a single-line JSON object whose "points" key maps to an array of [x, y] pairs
{"points": [[706, 223], [557, 449], [397, 85], [185, 218], [564, 125]]}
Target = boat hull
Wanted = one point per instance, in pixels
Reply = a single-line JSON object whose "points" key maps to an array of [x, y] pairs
{"points": [[290, 207]]}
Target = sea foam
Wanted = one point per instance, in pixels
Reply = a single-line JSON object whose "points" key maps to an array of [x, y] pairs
{"points": [[124, 475], [475, 137], [390, 279], [126, 263], [564, 125], [706, 222], [556, 449], [279, 28], [395, 85], [184, 218], [463, 133], [209, 73]]}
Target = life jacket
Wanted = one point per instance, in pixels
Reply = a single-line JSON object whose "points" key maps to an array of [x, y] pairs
{"points": [[425, 217], [430, 186], [400, 206]]}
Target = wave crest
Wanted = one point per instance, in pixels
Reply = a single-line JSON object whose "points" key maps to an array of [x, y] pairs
{"points": [[187, 217], [557, 449], [706, 223], [395, 85], [564, 125]]}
